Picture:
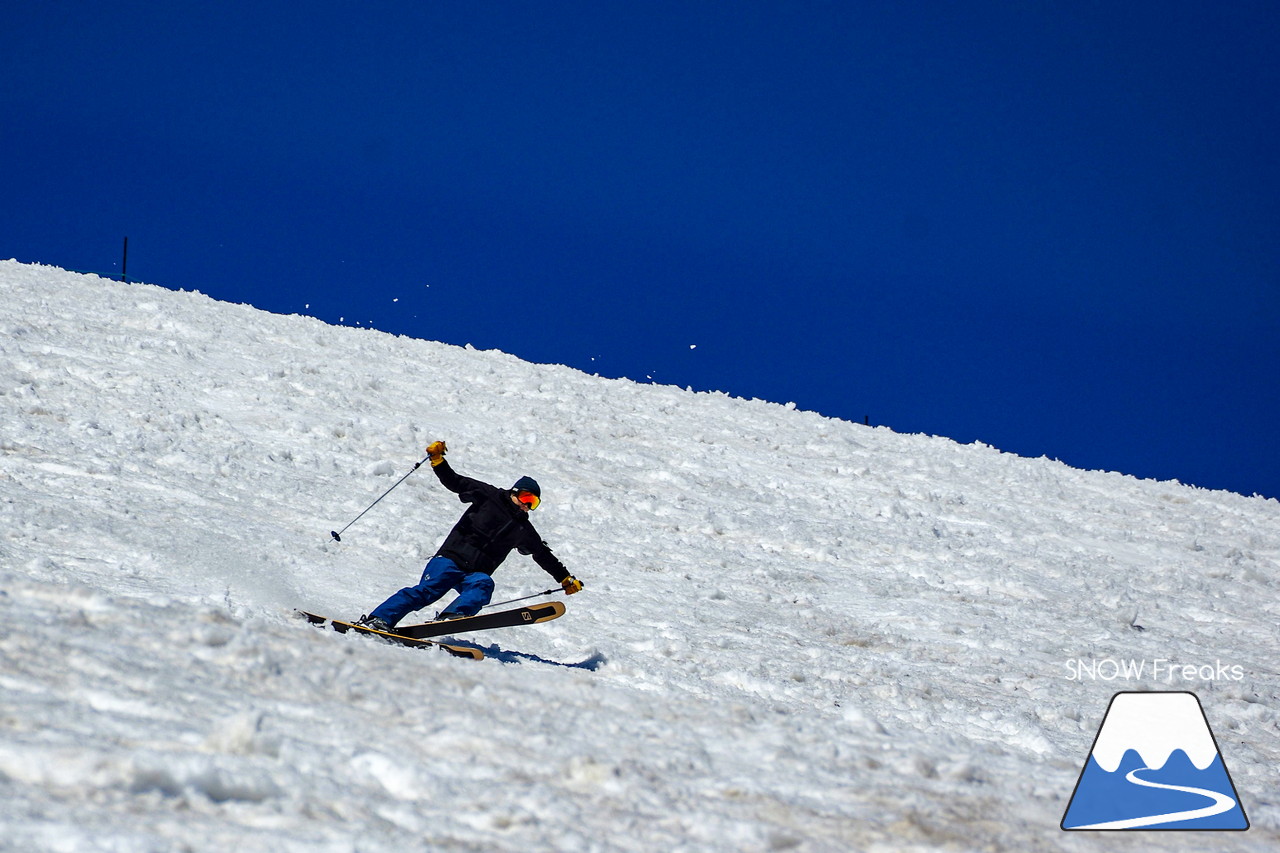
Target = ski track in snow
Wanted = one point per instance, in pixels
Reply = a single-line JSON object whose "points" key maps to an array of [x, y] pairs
{"points": [[797, 633]]}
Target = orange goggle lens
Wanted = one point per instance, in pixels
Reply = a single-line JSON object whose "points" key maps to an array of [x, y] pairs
{"points": [[529, 499]]}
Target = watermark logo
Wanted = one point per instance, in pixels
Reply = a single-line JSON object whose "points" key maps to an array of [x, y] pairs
{"points": [[1154, 765], [1160, 670]]}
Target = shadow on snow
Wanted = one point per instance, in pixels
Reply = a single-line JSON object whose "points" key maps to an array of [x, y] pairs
{"points": [[496, 652]]}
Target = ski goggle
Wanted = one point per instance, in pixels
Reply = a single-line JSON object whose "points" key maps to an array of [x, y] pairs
{"points": [[529, 499]]}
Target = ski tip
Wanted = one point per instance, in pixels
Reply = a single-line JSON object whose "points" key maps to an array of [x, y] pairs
{"points": [[462, 651], [548, 611]]}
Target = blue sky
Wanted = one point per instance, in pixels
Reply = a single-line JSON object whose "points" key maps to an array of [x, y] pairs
{"points": [[1051, 227]]}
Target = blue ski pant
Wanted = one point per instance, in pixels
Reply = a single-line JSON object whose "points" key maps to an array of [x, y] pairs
{"points": [[440, 575]]}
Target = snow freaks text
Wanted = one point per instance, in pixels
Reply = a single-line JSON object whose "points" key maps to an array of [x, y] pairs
{"points": [[1157, 669]]}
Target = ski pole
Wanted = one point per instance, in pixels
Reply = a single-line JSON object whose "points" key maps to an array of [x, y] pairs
{"points": [[337, 534], [522, 598]]}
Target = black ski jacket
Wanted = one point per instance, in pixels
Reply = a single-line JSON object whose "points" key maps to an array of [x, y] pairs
{"points": [[491, 528]]}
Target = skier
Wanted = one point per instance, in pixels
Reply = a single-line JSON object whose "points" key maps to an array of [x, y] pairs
{"points": [[495, 523]]}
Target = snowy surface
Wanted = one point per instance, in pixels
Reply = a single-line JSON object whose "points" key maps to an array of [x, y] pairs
{"points": [[797, 633]]}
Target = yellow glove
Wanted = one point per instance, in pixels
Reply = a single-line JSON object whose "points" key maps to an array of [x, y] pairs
{"points": [[435, 452], [571, 585]]}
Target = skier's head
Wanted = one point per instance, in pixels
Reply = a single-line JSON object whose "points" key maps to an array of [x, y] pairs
{"points": [[527, 492]]}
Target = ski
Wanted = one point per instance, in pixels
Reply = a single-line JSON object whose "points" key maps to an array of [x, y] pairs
{"points": [[414, 642], [482, 622]]}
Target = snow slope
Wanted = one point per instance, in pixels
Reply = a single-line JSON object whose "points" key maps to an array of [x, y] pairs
{"points": [[797, 633]]}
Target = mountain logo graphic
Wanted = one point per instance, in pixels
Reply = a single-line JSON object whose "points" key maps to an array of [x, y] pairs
{"points": [[1155, 765]]}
